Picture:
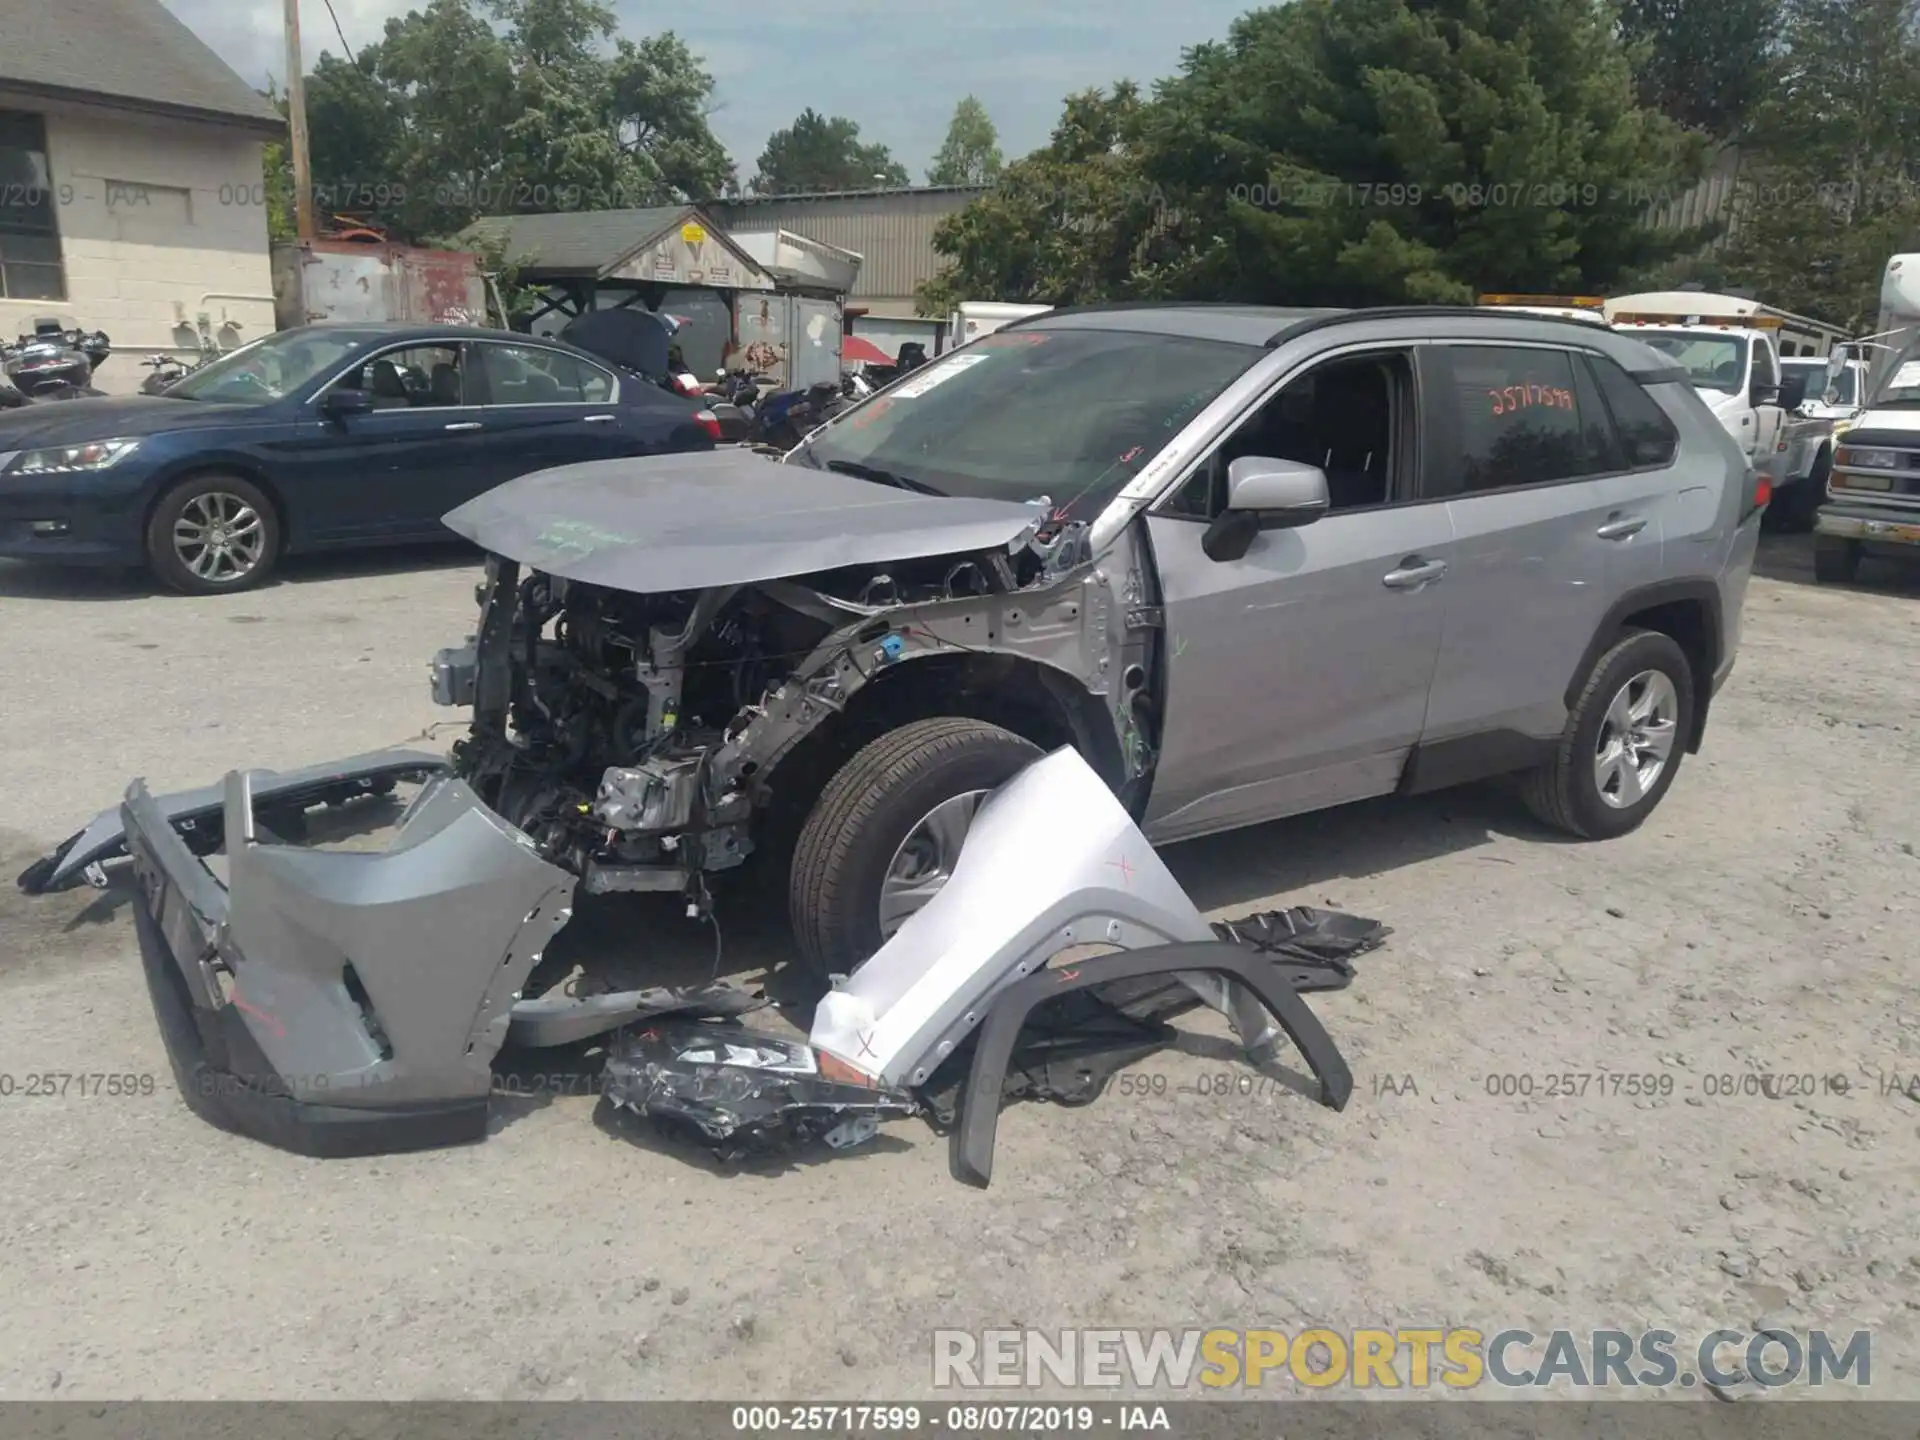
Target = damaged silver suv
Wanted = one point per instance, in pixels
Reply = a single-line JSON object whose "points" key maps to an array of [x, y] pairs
{"points": [[1247, 562]]}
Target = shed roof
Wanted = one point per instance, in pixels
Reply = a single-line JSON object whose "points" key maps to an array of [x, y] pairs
{"points": [[126, 52]]}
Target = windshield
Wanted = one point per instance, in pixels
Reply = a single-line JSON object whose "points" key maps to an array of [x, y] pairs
{"points": [[1712, 362], [1816, 372], [1055, 415], [1902, 385], [269, 369]]}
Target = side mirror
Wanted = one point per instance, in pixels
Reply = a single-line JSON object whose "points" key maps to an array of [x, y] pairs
{"points": [[1793, 390], [341, 402], [1265, 494]]}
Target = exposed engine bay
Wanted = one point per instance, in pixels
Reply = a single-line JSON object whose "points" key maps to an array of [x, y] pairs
{"points": [[641, 697], [634, 737]]}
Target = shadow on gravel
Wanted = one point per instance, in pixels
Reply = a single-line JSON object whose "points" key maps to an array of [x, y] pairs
{"points": [[1788, 559], [1306, 856], [25, 580]]}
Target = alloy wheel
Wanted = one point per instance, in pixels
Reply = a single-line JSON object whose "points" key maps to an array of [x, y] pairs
{"points": [[925, 860], [1636, 739], [219, 537]]}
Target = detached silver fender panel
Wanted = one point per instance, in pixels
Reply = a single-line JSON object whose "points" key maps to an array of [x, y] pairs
{"points": [[1052, 862]]}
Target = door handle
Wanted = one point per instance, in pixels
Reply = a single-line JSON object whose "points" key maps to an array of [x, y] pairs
{"points": [[465, 425], [597, 420], [1413, 573], [1622, 529]]}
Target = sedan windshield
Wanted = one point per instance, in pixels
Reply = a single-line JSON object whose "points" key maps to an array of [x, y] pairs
{"points": [[1060, 416], [269, 369], [1712, 362], [1816, 373]]}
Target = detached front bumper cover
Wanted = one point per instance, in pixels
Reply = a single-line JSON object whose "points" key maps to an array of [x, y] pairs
{"points": [[339, 1002]]}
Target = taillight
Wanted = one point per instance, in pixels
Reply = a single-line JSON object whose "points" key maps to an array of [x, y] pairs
{"points": [[709, 422], [1760, 493]]}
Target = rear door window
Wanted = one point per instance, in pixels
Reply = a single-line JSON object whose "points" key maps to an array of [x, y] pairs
{"points": [[532, 375], [1523, 417]]}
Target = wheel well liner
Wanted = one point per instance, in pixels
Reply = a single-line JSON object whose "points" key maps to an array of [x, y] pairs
{"points": [[1032, 699], [1688, 611]]}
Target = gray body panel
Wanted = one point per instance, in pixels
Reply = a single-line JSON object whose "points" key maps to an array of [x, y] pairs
{"points": [[721, 517], [104, 837], [1327, 670]]}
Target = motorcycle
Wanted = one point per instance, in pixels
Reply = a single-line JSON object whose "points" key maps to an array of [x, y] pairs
{"points": [[53, 363], [735, 399], [782, 421]]}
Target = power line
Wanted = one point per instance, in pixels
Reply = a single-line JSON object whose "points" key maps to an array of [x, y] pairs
{"points": [[341, 33]]}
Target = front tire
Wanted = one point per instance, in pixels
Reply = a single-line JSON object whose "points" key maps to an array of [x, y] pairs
{"points": [[1623, 741], [1835, 560], [886, 831], [213, 534]]}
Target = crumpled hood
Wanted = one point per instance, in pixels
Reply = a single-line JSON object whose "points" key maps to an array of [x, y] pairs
{"points": [[719, 517], [112, 417]]}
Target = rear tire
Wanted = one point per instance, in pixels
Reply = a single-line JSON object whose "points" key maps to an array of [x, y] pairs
{"points": [[1569, 792], [213, 534], [863, 819], [1835, 560]]}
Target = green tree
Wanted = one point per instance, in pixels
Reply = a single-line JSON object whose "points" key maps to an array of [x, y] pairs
{"points": [[1067, 224], [473, 107], [1351, 152], [970, 154], [1705, 63], [1831, 191], [821, 153]]}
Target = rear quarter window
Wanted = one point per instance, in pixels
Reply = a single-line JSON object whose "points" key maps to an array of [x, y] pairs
{"points": [[1646, 434]]}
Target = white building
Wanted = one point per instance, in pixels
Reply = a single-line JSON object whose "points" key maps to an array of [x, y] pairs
{"points": [[131, 197]]}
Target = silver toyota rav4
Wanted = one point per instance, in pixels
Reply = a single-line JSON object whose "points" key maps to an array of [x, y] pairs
{"points": [[1248, 562], [1226, 564]]}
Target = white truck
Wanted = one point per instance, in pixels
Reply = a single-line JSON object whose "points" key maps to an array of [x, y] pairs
{"points": [[1730, 347], [975, 318], [1873, 497]]}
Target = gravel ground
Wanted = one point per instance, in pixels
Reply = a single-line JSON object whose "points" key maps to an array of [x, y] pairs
{"points": [[1762, 922]]}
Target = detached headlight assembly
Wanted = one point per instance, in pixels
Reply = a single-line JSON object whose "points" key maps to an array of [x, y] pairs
{"points": [[73, 459], [1867, 459]]}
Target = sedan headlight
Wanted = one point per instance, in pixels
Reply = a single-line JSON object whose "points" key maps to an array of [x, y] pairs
{"points": [[69, 459], [1868, 459]]}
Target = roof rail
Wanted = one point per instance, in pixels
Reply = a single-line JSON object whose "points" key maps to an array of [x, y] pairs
{"points": [[1100, 307], [1489, 314]]}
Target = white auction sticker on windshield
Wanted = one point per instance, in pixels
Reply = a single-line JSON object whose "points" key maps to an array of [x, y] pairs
{"points": [[1907, 377], [938, 375]]}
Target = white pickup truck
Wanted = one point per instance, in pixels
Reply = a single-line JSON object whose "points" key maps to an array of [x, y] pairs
{"points": [[1735, 366]]}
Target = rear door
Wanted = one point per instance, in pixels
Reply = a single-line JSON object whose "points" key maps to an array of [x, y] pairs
{"points": [[1297, 675], [544, 407], [389, 473], [1552, 523]]}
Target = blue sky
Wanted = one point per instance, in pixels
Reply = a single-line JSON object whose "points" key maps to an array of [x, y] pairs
{"points": [[897, 69]]}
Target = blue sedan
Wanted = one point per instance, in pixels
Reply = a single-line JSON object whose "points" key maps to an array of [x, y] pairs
{"points": [[326, 437]]}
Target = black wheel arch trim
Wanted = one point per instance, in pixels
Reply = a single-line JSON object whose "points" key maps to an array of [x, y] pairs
{"points": [[971, 1144], [1704, 593]]}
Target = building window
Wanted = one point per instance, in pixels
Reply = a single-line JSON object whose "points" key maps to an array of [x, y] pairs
{"points": [[29, 227]]}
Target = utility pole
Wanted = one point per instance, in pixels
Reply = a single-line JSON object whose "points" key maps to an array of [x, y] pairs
{"points": [[297, 123]]}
